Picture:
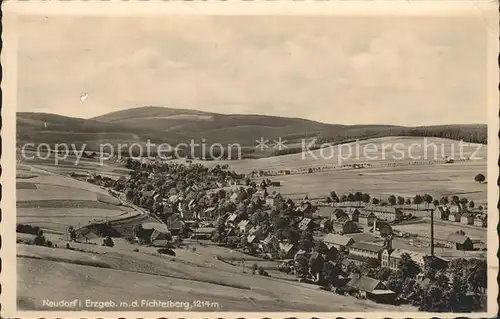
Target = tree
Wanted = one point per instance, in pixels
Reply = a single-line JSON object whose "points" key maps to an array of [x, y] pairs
{"points": [[395, 282], [365, 198], [435, 202], [375, 201], [401, 200], [373, 263], [392, 200], [358, 197], [301, 266], [334, 197], [464, 200], [330, 273], [306, 241], [417, 200], [328, 226], [351, 198], [427, 199], [479, 178], [408, 201], [343, 198], [254, 268], [444, 200], [320, 247], [408, 267], [455, 199], [480, 207], [383, 273], [471, 204]]}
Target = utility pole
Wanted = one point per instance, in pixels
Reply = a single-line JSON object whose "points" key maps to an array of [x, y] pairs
{"points": [[432, 233]]}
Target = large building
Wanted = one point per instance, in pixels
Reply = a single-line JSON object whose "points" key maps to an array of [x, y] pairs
{"points": [[338, 241], [366, 250], [367, 219], [387, 213]]}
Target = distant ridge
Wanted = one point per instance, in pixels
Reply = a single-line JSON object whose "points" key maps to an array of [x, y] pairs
{"points": [[169, 125]]}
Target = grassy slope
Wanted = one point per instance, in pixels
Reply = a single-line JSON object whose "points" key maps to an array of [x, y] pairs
{"points": [[140, 275]]}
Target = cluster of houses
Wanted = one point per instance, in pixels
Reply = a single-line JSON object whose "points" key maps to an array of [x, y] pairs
{"points": [[459, 213]]}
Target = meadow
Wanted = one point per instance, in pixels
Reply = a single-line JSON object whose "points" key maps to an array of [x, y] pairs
{"points": [[386, 172], [54, 202]]}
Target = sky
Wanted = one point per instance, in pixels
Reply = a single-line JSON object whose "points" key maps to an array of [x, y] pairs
{"points": [[346, 70]]}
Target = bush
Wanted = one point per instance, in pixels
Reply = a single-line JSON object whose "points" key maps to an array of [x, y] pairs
{"points": [[261, 271], [254, 267], [136, 250]]}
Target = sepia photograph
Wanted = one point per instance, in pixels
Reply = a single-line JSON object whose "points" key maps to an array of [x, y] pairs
{"points": [[253, 162]]}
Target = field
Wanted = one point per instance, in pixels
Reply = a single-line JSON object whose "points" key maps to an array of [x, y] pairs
{"points": [[442, 230], [387, 173], [54, 202]]}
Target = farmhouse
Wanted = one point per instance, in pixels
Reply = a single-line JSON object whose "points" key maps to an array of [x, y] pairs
{"points": [[338, 241], [305, 223], [305, 209], [366, 250], [232, 218], [387, 213], [353, 213], [442, 212], [367, 219], [459, 242], [268, 243], [338, 214], [480, 221], [287, 250], [244, 226], [273, 199], [454, 217], [467, 219], [371, 288]]}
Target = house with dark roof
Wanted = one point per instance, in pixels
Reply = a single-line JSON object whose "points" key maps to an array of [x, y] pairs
{"points": [[366, 250], [372, 289], [273, 199], [387, 213], [454, 217], [442, 212], [353, 213], [287, 250], [367, 219], [244, 226], [459, 242], [339, 214]]}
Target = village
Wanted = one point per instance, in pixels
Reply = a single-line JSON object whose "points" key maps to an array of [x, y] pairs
{"points": [[348, 244]]}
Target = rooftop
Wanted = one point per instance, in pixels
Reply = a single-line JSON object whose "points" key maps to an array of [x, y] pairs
{"points": [[367, 246]]}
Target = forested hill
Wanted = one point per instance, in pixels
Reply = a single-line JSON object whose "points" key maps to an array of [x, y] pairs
{"points": [[167, 125]]}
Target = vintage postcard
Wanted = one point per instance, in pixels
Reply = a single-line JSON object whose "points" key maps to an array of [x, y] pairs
{"points": [[249, 159]]}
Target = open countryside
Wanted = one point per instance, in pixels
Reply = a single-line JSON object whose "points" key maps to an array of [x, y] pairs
{"points": [[279, 232]]}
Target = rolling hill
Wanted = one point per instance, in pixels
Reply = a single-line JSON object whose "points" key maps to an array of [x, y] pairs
{"points": [[168, 125]]}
